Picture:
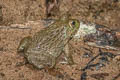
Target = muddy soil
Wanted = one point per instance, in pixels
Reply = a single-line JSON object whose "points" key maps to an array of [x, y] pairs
{"points": [[21, 18]]}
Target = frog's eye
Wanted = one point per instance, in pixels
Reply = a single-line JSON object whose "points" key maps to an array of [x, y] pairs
{"points": [[72, 24]]}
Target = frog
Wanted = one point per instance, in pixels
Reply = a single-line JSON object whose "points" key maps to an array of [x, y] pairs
{"points": [[46, 46]]}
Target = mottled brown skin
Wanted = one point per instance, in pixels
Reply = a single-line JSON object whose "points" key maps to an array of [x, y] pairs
{"points": [[43, 49]]}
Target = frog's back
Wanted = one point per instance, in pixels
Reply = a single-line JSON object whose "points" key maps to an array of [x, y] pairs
{"points": [[48, 39], [45, 45]]}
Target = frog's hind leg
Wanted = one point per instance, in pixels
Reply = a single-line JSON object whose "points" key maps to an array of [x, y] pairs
{"points": [[24, 44]]}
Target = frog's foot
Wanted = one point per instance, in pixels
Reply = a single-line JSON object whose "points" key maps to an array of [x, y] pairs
{"points": [[67, 61], [53, 63], [70, 61], [19, 64]]}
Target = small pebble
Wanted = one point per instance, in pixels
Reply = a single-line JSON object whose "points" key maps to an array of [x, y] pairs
{"points": [[86, 55], [99, 66], [103, 59]]}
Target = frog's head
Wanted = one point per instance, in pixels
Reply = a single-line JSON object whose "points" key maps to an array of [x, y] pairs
{"points": [[64, 18], [71, 25]]}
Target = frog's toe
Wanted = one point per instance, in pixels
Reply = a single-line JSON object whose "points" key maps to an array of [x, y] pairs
{"points": [[70, 61], [65, 61], [40, 66]]}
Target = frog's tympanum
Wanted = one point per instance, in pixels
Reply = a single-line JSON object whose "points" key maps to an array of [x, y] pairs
{"points": [[43, 49]]}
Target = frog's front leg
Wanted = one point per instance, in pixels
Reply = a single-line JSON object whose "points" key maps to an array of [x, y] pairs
{"points": [[53, 62], [68, 55]]}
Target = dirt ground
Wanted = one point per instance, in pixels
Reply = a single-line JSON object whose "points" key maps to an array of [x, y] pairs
{"points": [[20, 18]]}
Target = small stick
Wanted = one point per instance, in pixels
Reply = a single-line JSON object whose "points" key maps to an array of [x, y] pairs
{"points": [[91, 60], [16, 27], [100, 46], [83, 76]]}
